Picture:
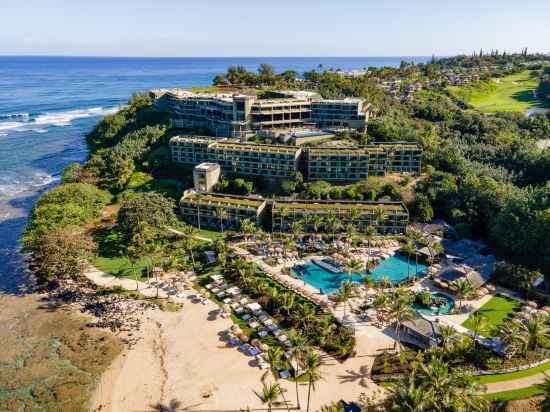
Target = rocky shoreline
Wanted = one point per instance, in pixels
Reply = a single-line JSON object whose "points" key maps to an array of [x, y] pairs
{"points": [[59, 340]]}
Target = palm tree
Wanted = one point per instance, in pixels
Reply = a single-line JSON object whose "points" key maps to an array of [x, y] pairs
{"points": [[333, 224], [409, 249], [298, 351], [415, 235], [509, 334], [221, 214], [351, 231], [286, 302], [369, 233], [311, 366], [535, 331], [297, 229], [247, 228], [462, 288], [477, 320], [347, 291], [400, 311], [436, 386], [446, 334], [353, 266], [304, 315], [269, 394], [317, 222], [379, 216]]}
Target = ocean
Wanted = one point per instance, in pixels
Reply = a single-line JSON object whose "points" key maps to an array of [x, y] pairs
{"points": [[48, 104]]}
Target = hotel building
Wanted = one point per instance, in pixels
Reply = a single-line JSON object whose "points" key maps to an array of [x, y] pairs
{"points": [[241, 115], [237, 158], [386, 217], [197, 206], [318, 163]]}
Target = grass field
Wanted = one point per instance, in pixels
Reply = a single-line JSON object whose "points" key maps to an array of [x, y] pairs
{"points": [[513, 375], [210, 234], [508, 94], [515, 394], [121, 267], [496, 311]]}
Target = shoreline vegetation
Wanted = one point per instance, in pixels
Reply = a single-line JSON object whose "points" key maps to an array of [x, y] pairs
{"points": [[483, 174]]}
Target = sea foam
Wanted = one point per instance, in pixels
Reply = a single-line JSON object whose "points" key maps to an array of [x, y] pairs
{"points": [[59, 119]]}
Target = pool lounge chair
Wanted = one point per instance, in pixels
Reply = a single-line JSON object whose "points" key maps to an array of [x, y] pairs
{"points": [[284, 374]]}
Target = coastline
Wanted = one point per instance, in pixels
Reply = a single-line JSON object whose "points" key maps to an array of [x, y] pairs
{"points": [[51, 359]]}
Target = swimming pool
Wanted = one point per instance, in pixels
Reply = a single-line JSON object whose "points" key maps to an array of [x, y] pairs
{"points": [[394, 268], [443, 309]]}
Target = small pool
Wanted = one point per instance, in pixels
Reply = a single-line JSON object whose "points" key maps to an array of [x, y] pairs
{"points": [[446, 307], [394, 268]]}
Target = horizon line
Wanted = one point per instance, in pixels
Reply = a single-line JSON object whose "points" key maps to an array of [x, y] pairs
{"points": [[221, 57]]}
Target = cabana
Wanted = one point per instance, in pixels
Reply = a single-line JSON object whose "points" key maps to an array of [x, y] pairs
{"points": [[254, 307]]}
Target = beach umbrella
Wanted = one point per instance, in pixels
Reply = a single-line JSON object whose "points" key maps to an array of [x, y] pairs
{"points": [[243, 337], [532, 304], [255, 342], [264, 347]]}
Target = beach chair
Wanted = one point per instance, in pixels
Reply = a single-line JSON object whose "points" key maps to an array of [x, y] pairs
{"points": [[263, 333], [284, 374], [253, 351]]}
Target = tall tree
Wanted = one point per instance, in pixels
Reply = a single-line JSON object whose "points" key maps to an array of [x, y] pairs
{"points": [[312, 368]]}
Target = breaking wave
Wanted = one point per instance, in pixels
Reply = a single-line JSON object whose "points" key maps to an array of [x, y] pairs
{"points": [[25, 121]]}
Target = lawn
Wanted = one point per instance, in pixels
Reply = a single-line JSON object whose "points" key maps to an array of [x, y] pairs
{"points": [[515, 394], [210, 234], [512, 93], [495, 311], [484, 379], [120, 266]]}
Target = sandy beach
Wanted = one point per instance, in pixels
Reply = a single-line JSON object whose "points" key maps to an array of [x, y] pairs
{"points": [[182, 356]]}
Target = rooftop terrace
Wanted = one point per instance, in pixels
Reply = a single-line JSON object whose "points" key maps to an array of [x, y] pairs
{"points": [[394, 207], [218, 199]]}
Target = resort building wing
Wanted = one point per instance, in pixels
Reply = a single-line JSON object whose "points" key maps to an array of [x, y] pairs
{"points": [[385, 217], [283, 161], [237, 158], [217, 211], [240, 115]]}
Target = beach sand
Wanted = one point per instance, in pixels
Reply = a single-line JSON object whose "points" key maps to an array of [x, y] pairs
{"points": [[182, 357]]}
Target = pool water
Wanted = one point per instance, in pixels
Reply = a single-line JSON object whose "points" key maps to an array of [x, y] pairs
{"points": [[394, 268], [440, 310]]}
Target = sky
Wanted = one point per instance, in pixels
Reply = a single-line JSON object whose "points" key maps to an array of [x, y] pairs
{"points": [[183, 28]]}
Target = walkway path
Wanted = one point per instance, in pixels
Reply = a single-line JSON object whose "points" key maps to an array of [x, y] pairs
{"points": [[515, 383], [104, 279]]}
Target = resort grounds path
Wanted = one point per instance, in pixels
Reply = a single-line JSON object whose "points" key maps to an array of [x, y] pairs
{"points": [[515, 383], [107, 280]]}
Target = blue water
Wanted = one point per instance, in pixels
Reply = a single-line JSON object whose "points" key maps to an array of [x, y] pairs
{"points": [[48, 104], [394, 268], [442, 310]]}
